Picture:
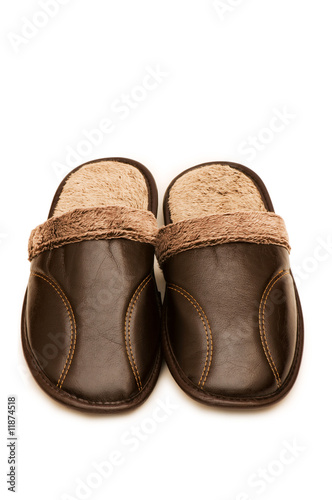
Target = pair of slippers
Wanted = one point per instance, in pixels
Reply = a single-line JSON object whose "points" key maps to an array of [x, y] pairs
{"points": [[93, 322]]}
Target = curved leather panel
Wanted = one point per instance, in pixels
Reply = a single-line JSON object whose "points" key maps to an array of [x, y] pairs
{"points": [[278, 324], [143, 321], [99, 279], [54, 347], [196, 334], [228, 282]]}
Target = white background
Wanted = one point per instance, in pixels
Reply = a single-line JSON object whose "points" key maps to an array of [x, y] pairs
{"points": [[227, 76]]}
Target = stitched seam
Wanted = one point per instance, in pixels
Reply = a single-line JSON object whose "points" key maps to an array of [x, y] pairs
{"points": [[210, 331], [206, 333], [263, 336], [129, 329], [131, 306], [73, 332], [264, 307], [177, 288], [63, 296], [266, 349], [268, 291], [72, 340]]}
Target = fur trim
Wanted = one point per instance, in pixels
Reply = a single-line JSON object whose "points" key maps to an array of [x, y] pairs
{"points": [[103, 184], [264, 228], [93, 224], [213, 189]]}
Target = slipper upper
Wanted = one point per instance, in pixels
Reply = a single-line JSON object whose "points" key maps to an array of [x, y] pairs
{"points": [[232, 321], [91, 318]]}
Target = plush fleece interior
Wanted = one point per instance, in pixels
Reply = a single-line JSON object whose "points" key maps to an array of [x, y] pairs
{"points": [[213, 189], [102, 184]]}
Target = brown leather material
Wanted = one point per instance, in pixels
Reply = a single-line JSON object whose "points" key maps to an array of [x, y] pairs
{"points": [[232, 320], [91, 321]]}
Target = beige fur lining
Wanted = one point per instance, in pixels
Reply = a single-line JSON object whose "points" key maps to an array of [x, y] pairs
{"points": [[213, 189], [102, 184], [265, 228], [93, 224]]}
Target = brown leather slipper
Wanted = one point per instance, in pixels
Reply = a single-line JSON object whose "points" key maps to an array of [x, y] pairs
{"points": [[232, 320], [91, 313]]}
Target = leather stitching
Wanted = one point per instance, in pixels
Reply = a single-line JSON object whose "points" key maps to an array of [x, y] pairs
{"points": [[262, 328], [73, 331], [209, 340], [128, 317]]}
